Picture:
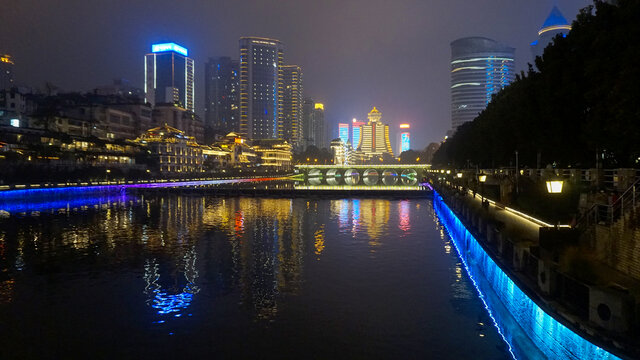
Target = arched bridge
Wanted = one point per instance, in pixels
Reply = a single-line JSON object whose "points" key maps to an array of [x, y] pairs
{"points": [[383, 176]]}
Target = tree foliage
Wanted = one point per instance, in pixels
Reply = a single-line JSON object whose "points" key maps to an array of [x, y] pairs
{"points": [[583, 101]]}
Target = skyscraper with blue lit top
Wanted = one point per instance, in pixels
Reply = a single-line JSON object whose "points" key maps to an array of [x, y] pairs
{"points": [[554, 25], [169, 76], [480, 67]]}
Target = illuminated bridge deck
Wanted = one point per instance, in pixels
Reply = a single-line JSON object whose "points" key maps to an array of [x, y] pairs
{"points": [[361, 178]]}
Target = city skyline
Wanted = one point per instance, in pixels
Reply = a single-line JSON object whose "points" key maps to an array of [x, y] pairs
{"points": [[206, 175], [335, 75]]}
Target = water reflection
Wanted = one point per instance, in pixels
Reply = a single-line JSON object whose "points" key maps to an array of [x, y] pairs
{"points": [[372, 215], [177, 297], [261, 269]]}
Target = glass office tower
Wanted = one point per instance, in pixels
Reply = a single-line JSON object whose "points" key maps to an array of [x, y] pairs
{"points": [[480, 67], [261, 88]]}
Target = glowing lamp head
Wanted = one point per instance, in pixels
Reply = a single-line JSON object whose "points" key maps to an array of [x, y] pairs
{"points": [[354, 120], [554, 186], [459, 175], [482, 178]]}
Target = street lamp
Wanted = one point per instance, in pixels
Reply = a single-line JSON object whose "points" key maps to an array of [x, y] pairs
{"points": [[482, 178], [554, 186]]}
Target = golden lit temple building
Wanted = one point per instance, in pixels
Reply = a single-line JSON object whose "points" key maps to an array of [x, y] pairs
{"points": [[174, 150], [273, 152], [374, 141]]}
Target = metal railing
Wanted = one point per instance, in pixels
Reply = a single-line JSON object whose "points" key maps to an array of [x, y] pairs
{"points": [[609, 214]]}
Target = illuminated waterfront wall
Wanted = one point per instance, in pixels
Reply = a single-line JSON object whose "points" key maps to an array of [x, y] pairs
{"points": [[552, 338]]}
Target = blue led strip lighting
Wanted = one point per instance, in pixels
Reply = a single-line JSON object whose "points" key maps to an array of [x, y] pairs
{"points": [[553, 339], [37, 199]]}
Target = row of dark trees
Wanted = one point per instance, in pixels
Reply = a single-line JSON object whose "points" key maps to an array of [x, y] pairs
{"points": [[581, 108]]}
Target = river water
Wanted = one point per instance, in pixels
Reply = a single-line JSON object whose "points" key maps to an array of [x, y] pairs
{"points": [[168, 276]]}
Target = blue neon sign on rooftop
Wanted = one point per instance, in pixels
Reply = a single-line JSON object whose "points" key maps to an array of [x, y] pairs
{"points": [[169, 47]]}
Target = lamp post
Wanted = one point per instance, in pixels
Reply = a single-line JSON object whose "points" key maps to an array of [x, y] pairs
{"points": [[554, 186], [482, 177]]}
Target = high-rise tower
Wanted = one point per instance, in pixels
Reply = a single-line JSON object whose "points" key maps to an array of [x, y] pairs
{"points": [[307, 122], [356, 131], [169, 76], [221, 94], [555, 24], [343, 132], [292, 106], [319, 132], [261, 88], [6, 72], [480, 67], [404, 139]]}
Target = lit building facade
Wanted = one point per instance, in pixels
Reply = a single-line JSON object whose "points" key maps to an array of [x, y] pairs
{"points": [[375, 137], [314, 130], [319, 133], [241, 155], [480, 67], [175, 151], [273, 152], [554, 25], [307, 122], [404, 139], [261, 88], [6, 72], [356, 131], [343, 132], [221, 96], [292, 129], [169, 76], [338, 149]]}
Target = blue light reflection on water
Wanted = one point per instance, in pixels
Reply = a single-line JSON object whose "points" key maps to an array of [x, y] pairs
{"points": [[555, 340], [62, 203], [171, 303]]}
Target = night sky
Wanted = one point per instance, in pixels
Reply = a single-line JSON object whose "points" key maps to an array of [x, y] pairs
{"points": [[354, 53]]}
